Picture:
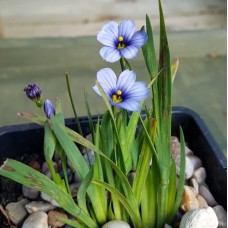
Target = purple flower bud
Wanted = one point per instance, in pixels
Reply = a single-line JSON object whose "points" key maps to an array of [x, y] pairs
{"points": [[33, 92], [49, 109]]}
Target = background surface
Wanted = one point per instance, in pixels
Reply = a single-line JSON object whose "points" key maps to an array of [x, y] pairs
{"points": [[42, 40]]}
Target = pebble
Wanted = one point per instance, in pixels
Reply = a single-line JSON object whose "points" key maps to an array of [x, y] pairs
{"points": [[189, 200], [116, 223], [76, 178], [89, 157], [131, 177], [69, 174], [45, 168], [38, 219], [199, 218], [197, 163], [195, 185], [89, 138], [188, 152], [202, 201], [189, 167], [74, 189], [200, 175], [53, 221], [221, 215], [35, 206], [17, 211], [30, 193], [174, 139], [49, 199], [35, 165], [206, 194], [175, 147]]}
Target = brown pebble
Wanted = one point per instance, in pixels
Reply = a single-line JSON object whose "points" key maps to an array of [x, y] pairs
{"points": [[35, 165], [52, 220], [189, 200]]}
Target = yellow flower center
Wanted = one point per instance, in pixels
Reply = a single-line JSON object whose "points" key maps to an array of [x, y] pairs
{"points": [[117, 97], [120, 39], [121, 44]]}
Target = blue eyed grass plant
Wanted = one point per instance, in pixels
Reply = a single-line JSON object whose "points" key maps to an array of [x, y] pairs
{"points": [[124, 142]]}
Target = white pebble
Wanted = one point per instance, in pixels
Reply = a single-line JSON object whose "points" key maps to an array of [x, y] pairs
{"points": [[115, 224], [38, 219], [199, 218]]}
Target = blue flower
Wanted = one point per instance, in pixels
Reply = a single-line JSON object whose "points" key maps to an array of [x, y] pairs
{"points": [[33, 92], [123, 92], [49, 109], [120, 40]]}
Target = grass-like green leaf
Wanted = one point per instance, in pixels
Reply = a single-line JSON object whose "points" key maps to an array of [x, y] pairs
{"points": [[149, 50], [81, 194], [73, 153], [143, 164], [77, 160], [32, 117], [69, 222], [164, 84], [174, 68], [107, 134], [181, 177], [125, 183], [28, 176], [58, 110], [49, 142], [149, 199], [172, 188], [127, 204]]}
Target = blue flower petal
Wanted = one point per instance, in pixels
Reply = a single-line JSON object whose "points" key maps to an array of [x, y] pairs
{"points": [[138, 92], [108, 34], [107, 80], [112, 28], [126, 29], [110, 54], [131, 92], [129, 105], [106, 38], [129, 52], [126, 80], [139, 39], [49, 109]]}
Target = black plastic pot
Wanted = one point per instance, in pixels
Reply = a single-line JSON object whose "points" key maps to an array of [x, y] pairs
{"points": [[28, 139]]}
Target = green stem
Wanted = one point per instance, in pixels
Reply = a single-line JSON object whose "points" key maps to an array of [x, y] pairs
{"points": [[72, 104], [75, 113], [65, 176], [124, 64], [162, 200], [51, 169]]}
